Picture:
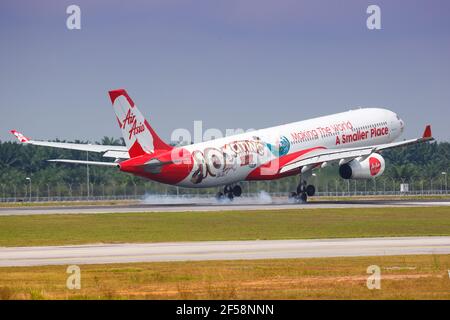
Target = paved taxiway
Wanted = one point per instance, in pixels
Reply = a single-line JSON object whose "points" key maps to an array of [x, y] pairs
{"points": [[221, 250], [241, 205]]}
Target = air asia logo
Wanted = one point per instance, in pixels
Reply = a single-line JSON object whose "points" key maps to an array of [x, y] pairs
{"points": [[374, 166], [136, 127]]}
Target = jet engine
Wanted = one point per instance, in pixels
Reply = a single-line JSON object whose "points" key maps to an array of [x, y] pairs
{"points": [[371, 167]]}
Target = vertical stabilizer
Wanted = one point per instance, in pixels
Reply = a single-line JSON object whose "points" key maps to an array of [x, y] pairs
{"points": [[139, 136]]}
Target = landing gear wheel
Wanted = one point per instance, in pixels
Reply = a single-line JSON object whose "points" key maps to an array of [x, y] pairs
{"points": [[230, 195], [298, 197], [310, 190], [237, 191], [227, 189], [303, 191], [301, 188], [219, 195], [303, 197]]}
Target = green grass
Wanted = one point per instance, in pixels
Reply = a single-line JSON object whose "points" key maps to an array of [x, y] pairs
{"points": [[66, 203], [36, 230], [403, 197]]}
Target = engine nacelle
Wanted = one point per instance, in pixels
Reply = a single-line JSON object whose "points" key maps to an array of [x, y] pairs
{"points": [[371, 167]]}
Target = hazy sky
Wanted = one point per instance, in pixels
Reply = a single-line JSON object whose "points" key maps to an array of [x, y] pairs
{"points": [[230, 63]]}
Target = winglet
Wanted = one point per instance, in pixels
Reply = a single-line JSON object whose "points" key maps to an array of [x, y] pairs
{"points": [[20, 136], [427, 133]]}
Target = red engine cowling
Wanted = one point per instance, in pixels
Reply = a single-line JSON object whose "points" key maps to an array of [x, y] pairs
{"points": [[371, 167]]}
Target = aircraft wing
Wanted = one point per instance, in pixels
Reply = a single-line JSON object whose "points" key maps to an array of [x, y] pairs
{"points": [[117, 152], [309, 161]]}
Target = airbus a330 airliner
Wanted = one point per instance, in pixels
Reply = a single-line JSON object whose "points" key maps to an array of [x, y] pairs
{"points": [[353, 140]]}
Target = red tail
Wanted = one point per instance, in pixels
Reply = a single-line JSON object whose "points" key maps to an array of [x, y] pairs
{"points": [[139, 136]]}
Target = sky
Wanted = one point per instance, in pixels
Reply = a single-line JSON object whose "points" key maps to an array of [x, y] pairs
{"points": [[229, 63]]}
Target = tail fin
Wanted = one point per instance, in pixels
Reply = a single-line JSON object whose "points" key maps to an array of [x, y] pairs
{"points": [[427, 133], [139, 136]]}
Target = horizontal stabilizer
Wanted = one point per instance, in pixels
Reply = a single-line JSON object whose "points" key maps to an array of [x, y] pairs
{"points": [[95, 163], [118, 152]]}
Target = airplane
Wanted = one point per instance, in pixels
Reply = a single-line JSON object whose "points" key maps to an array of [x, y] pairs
{"points": [[354, 140]]}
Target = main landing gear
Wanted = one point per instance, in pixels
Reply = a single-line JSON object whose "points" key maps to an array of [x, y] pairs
{"points": [[303, 192], [229, 191]]}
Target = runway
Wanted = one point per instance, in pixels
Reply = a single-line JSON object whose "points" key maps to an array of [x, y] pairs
{"points": [[221, 250], [237, 205]]}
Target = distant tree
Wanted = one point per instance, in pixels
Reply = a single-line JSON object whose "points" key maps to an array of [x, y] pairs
{"points": [[8, 155], [111, 141], [403, 172]]}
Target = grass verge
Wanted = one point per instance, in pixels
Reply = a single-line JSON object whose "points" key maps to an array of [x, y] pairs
{"points": [[402, 277], [67, 203], [35, 230]]}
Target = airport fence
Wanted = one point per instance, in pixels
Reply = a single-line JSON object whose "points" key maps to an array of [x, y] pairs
{"points": [[150, 191]]}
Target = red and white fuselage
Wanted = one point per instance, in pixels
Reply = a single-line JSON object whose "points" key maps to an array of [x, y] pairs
{"points": [[258, 155]]}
